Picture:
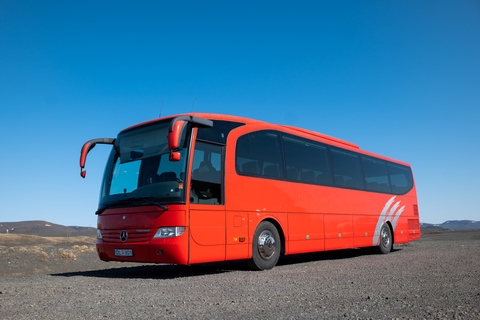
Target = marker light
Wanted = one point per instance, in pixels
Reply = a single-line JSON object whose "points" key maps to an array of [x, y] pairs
{"points": [[169, 232]]}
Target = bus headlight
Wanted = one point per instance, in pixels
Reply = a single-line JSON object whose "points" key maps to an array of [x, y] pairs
{"points": [[168, 232], [99, 234]]}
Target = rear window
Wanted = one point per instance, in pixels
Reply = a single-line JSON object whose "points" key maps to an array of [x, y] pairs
{"points": [[401, 178]]}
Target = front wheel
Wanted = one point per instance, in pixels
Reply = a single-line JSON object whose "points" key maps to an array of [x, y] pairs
{"points": [[386, 240], [266, 247]]}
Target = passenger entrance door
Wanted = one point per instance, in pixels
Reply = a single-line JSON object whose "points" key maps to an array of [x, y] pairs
{"points": [[207, 208]]}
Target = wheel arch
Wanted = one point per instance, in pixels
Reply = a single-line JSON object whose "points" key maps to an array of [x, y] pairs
{"points": [[389, 223]]}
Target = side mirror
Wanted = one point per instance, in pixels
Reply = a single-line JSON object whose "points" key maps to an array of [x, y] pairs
{"points": [[83, 156], [174, 156], [89, 145], [174, 135], [176, 128]]}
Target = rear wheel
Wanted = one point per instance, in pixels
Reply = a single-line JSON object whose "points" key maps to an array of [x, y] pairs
{"points": [[386, 240], [266, 247]]}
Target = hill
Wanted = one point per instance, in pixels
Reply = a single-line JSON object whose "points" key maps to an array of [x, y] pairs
{"points": [[44, 228], [48, 229], [452, 225]]}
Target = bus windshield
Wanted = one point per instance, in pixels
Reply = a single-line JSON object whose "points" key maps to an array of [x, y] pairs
{"points": [[139, 172]]}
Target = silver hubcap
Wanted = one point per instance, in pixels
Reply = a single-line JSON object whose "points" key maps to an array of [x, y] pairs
{"points": [[385, 239], [266, 244]]}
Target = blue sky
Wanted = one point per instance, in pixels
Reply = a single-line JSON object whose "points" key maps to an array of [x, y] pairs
{"points": [[398, 78]]}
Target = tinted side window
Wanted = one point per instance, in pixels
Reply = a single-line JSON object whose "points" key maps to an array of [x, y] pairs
{"points": [[259, 154], [306, 160], [219, 132], [376, 175], [347, 169], [206, 186], [401, 178]]}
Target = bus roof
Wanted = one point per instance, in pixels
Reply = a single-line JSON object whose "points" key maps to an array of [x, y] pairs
{"points": [[248, 121], [323, 136], [252, 121], [212, 116], [306, 133]]}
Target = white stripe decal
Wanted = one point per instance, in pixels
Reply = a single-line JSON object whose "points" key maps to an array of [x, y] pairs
{"points": [[381, 221], [394, 222], [392, 211]]}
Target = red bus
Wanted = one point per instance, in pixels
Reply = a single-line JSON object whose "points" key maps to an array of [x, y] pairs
{"points": [[197, 188]]}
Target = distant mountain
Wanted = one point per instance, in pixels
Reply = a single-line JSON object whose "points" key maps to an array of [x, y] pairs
{"points": [[48, 229], [453, 225], [44, 228]]}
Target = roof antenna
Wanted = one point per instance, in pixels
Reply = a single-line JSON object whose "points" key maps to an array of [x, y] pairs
{"points": [[194, 103], [161, 107]]}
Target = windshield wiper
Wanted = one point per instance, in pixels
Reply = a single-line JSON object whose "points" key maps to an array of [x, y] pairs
{"points": [[132, 202], [146, 201]]}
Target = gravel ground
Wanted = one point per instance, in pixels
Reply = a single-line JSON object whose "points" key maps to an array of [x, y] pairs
{"points": [[436, 277]]}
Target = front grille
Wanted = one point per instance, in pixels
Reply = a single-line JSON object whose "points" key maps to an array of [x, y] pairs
{"points": [[134, 235]]}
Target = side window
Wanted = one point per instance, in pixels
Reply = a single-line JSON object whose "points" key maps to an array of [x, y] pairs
{"points": [[219, 132], [259, 154], [401, 178], [376, 175], [207, 173], [306, 161], [347, 169]]}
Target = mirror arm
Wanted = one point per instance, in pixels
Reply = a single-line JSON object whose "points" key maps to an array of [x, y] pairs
{"points": [[89, 145], [177, 125], [194, 120]]}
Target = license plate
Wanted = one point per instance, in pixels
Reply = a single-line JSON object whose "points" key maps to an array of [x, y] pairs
{"points": [[123, 252]]}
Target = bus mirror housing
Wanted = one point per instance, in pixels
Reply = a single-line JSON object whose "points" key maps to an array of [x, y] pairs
{"points": [[174, 135], [174, 156], [176, 129], [89, 145]]}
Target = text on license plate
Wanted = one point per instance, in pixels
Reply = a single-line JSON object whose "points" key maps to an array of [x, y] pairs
{"points": [[123, 252]]}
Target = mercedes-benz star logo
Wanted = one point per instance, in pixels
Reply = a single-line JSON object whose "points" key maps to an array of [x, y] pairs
{"points": [[123, 235]]}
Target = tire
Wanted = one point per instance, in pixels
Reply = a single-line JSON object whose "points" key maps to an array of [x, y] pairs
{"points": [[386, 240], [266, 247]]}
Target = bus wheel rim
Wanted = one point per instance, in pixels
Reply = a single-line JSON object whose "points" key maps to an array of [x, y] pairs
{"points": [[385, 240], [266, 244]]}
